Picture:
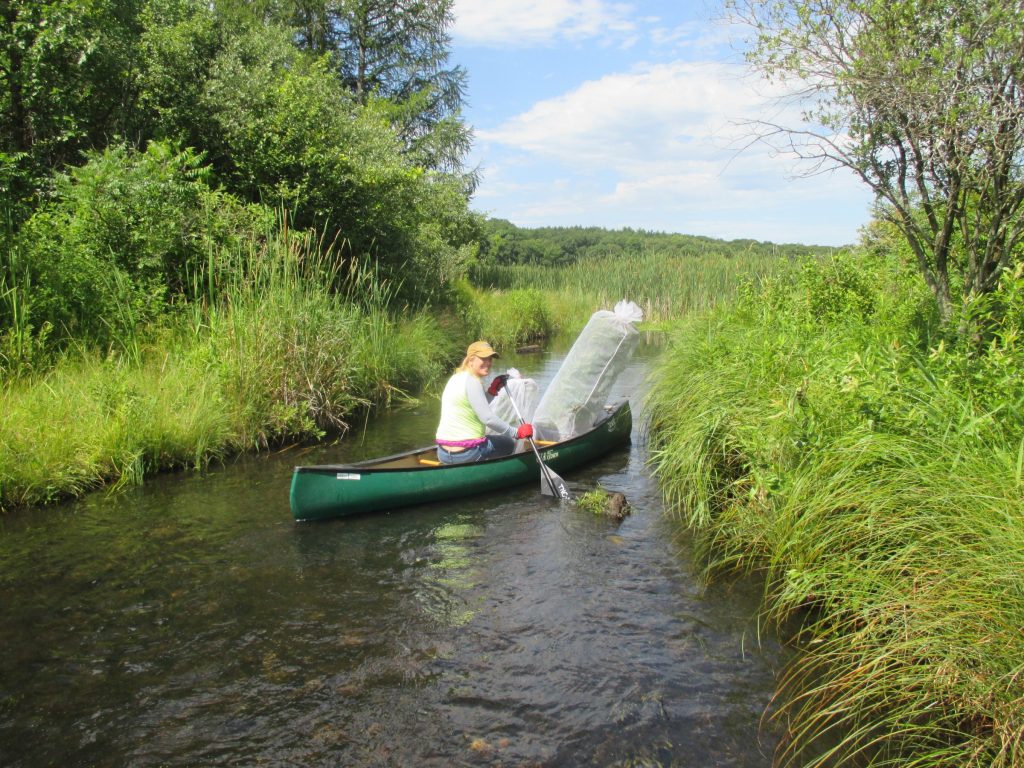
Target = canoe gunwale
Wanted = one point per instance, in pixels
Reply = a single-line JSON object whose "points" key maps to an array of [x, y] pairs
{"points": [[373, 465]]}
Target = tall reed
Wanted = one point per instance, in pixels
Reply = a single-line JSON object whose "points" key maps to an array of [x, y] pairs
{"points": [[665, 286], [807, 435], [20, 348]]}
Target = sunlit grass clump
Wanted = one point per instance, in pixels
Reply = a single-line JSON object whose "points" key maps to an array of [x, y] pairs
{"points": [[817, 434], [593, 501], [278, 355], [520, 316]]}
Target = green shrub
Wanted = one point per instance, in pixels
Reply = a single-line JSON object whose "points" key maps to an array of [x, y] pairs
{"points": [[129, 233], [836, 288]]}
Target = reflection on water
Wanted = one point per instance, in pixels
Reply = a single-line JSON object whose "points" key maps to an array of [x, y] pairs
{"points": [[191, 622]]}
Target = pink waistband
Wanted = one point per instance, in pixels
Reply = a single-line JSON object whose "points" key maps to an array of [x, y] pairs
{"points": [[462, 443]]}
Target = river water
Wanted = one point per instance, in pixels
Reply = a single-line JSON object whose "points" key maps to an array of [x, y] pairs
{"points": [[192, 622]]}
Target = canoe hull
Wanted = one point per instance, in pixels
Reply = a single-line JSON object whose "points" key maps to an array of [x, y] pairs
{"points": [[327, 491]]}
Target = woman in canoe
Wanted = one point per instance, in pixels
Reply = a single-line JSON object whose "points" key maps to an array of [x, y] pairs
{"points": [[466, 413]]}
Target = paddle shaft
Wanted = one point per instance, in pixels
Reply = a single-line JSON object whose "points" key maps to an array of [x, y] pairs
{"points": [[545, 471]]}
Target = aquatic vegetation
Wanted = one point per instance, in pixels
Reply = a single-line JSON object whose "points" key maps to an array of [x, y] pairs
{"points": [[593, 501], [603, 503]]}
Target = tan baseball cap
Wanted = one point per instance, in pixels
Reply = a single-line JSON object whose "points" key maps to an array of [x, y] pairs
{"points": [[481, 349]]}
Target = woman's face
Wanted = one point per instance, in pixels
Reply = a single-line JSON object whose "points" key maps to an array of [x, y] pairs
{"points": [[480, 366]]}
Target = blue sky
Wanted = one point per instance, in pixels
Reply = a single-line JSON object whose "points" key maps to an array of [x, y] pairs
{"points": [[629, 114]]}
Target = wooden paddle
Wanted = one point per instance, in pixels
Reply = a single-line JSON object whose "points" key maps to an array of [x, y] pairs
{"points": [[550, 483]]}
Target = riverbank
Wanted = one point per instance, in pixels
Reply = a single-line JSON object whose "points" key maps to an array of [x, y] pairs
{"points": [[289, 367], [284, 360], [824, 432]]}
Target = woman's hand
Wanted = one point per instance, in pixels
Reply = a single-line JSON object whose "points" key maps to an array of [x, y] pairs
{"points": [[497, 384]]}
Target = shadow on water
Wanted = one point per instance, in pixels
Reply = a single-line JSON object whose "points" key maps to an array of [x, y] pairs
{"points": [[191, 622]]}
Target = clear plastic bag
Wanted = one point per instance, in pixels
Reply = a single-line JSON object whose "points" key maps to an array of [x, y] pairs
{"points": [[576, 397], [526, 394]]}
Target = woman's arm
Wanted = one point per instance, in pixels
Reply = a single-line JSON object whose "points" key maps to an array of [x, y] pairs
{"points": [[478, 400]]}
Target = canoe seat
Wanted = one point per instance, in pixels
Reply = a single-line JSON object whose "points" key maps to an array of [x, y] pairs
{"points": [[430, 463]]}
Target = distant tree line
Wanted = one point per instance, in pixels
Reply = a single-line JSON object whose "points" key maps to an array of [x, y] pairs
{"points": [[503, 243]]}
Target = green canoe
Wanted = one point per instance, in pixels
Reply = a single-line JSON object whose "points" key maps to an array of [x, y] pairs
{"points": [[335, 490]]}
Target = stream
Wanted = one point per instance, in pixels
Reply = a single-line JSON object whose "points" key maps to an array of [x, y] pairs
{"points": [[191, 622]]}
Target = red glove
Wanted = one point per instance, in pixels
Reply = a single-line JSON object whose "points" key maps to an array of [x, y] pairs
{"points": [[524, 431], [497, 384]]}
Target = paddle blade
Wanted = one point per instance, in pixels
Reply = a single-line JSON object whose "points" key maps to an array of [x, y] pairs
{"points": [[552, 485]]}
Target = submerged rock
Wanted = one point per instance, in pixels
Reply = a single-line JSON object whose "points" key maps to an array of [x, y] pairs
{"points": [[616, 506]]}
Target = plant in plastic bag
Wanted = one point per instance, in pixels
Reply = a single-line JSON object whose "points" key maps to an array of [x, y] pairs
{"points": [[577, 396], [526, 394]]}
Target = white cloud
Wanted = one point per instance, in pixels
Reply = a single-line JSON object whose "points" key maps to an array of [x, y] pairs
{"points": [[694, 38], [663, 141], [523, 23], [639, 123]]}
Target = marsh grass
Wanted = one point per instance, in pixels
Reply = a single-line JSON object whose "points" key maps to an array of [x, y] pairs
{"points": [[22, 347], [665, 286], [278, 355], [519, 316], [877, 487], [909, 551], [91, 421]]}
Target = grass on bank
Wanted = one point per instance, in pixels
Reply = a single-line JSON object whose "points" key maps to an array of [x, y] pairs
{"points": [[818, 434], [511, 318], [278, 356]]}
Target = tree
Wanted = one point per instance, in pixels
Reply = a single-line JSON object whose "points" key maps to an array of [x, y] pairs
{"points": [[284, 130], [180, 43], [923, 100], [65, 84], [395, 51]]}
